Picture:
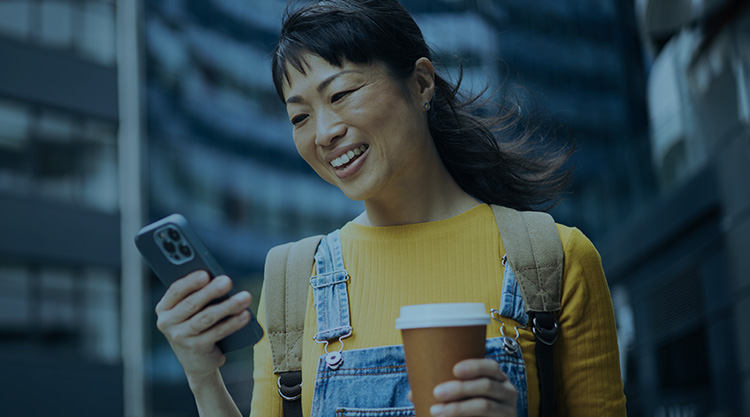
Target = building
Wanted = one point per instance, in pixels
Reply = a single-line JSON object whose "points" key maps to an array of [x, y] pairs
{"points": [[680, 266], [59, 221]]}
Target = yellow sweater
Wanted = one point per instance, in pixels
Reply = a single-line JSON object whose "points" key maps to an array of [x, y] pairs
{"points": [[458, 260]]}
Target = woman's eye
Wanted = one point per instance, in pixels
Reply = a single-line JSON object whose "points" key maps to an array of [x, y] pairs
{"points": [[298, 119], [338, 96]]}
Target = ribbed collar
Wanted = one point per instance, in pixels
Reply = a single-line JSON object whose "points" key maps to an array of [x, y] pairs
{"points": [[416, 230]]}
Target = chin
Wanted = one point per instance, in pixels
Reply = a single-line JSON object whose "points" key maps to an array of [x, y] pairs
{"points": [[354, 196], [356, 193]]}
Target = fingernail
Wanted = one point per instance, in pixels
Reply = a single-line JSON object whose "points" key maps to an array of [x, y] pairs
{"points": [[440, 391], [243, 296], [436, 410]]}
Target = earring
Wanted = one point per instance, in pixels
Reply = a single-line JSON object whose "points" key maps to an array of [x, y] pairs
{"points": [[426, 105]]}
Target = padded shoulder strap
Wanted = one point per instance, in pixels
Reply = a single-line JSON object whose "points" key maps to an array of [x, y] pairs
{"points": [[534, 251], [286, 279]]}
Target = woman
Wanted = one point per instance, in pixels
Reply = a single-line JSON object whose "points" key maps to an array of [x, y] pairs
{"points": [[370, 115]]}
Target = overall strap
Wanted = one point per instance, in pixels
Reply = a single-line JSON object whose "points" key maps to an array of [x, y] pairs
{"points": [[535, 254], [331, 296], [286, 279]]}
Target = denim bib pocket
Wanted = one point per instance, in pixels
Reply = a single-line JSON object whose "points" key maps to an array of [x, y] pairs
{"points": [[369, 381]]}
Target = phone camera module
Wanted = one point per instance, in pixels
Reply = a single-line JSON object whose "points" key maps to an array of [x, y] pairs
{"points": [[173, 244], [168, 246]]}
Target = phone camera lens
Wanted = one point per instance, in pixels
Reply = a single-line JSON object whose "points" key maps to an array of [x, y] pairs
{"points": [[173, 234], [185, 250], [169, 246]]}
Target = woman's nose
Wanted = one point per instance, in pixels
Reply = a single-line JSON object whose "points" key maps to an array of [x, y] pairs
{"points": [[329, 128]]}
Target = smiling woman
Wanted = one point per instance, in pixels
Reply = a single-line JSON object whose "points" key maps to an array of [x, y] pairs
{"points": [[371, 116], [366, 132]]}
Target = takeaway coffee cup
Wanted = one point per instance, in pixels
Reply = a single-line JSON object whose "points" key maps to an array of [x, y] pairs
{"points": [[436, 337]]}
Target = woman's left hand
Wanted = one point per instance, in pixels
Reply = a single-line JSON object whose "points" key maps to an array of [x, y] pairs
{"points": [[480, 389]]}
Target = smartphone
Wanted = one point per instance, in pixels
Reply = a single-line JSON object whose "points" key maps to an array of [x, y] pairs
{"points": [[173, 250]]}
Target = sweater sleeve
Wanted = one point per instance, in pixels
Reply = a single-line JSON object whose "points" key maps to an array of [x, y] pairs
{"points": [[266, 400], [587, 368]]}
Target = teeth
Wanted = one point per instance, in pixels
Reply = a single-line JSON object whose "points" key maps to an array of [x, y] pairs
{"points": [[345, 158]]}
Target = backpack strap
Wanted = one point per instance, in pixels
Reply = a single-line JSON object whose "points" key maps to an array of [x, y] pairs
{"points": [[535, 254], [286, 278]]}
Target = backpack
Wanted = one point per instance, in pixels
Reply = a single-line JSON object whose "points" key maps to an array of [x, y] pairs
{"points": [[532, 248]]}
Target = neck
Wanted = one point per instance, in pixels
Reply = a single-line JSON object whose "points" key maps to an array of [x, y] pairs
{"points": [[419, 201]]}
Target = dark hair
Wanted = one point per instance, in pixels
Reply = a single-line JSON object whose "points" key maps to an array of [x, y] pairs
{"points": [[516, 169]]}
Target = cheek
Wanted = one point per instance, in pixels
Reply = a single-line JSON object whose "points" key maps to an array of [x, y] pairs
{"points": [[304, 143], [306, 148]]}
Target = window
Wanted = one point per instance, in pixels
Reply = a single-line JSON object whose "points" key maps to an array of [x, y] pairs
{"points": [[60, 308], [56, 23], [96, 35], [57, 155], [15, 120], [15, 297], [15, 123], [15, 18], [100, 304], [672, 357], [85, 27]]}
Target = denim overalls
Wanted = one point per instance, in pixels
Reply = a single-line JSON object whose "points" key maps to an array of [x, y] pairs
{"points": [[372, 382]]}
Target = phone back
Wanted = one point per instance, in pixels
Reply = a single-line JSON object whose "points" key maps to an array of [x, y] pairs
{"points": [[173, 250]]}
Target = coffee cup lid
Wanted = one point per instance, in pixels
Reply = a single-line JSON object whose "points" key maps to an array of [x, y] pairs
{"points": [[442, 315]]}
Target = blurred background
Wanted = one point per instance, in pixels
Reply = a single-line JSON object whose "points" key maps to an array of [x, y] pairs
{"points": [[114, 113]]}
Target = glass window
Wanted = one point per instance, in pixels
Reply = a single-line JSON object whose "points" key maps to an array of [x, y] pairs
{"points": [[56, 23], [99, 184], [15, 18], [57, 155], [101, 332], [15, 120], [96, 35], [56, 158], [672, 356], [97, 131], [55, 126], [57, 302], [15, 296], [99, 187], [61, 308]]}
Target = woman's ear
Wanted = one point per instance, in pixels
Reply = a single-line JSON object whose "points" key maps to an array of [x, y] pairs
{"points": [[425, 79]]}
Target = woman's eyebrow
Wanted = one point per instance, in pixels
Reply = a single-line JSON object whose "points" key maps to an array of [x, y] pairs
{"points": [[323, 84], [330, 79]]}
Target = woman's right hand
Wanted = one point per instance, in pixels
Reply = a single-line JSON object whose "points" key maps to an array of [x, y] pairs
{"points": [[192, 326]]}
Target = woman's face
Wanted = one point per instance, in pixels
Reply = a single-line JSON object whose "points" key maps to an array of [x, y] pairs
{"points": [[358, 127]]}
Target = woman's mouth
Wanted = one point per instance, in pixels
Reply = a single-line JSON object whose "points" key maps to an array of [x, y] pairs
{"points": [[348, 158]]}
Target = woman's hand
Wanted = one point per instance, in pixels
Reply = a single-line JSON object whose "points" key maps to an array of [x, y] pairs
{"points": [[192, 326], [480, 389]]}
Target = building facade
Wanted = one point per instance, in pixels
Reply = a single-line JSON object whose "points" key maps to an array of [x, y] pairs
{"points": [[59, 222], [680, 267]]}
